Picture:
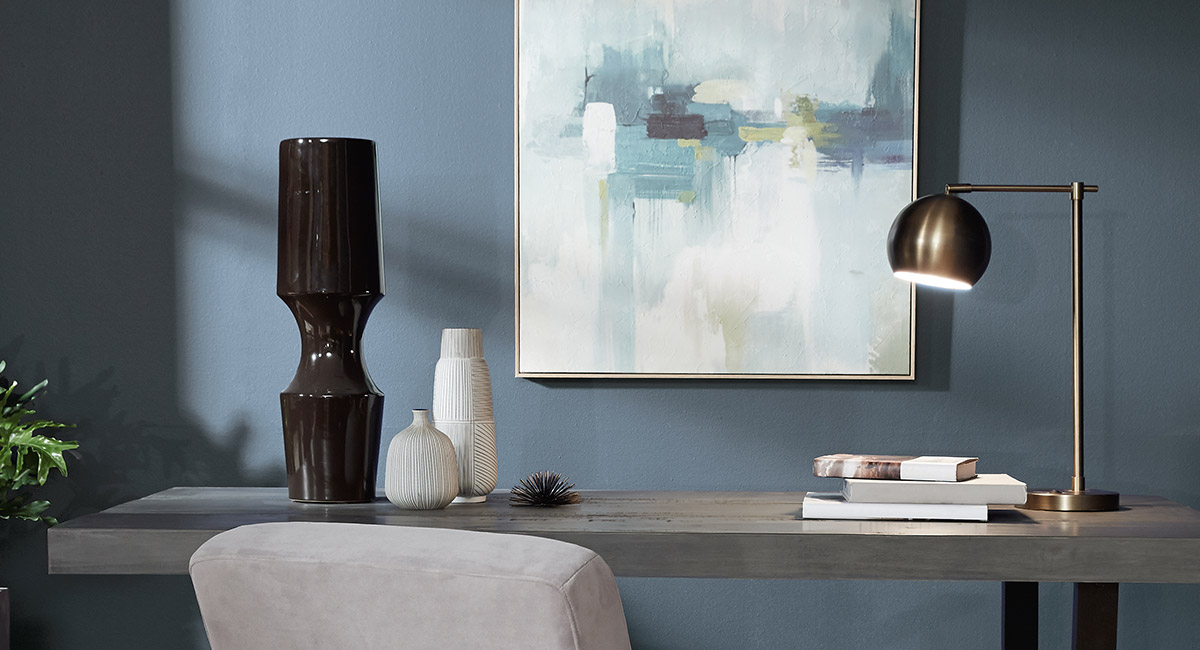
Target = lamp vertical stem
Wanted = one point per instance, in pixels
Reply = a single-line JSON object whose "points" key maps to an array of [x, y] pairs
{"points": [[1077, 483]]}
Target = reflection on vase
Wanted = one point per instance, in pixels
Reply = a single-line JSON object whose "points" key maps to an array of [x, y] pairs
{"points": [[462, 409]]}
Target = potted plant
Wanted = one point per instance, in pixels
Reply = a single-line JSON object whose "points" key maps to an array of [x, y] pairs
{"points": [[26, 457]]}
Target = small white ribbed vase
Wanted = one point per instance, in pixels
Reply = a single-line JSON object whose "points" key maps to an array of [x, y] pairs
{"points": [[462, 408], [421, 471]]}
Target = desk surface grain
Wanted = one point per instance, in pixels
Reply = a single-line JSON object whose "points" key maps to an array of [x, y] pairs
{"points": [[688, 534]]}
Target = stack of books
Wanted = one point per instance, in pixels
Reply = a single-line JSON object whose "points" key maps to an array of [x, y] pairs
{"points": [[909, 487]]}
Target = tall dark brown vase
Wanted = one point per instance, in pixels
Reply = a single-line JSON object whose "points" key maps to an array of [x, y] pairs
{"points": [[331, 276]]}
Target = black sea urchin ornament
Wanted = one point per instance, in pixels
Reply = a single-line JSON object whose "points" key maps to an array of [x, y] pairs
{"points": [[543, 489]]}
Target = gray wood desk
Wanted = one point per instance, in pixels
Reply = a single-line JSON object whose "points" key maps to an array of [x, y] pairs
{"points": [[716, 535]]}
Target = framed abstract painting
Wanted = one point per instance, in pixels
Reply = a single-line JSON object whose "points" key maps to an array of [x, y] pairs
{"points": [[705, 187]]}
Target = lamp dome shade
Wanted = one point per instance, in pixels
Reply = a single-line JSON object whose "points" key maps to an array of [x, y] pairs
{"points": [[940, 240]]}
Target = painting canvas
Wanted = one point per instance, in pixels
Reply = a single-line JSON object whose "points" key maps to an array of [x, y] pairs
{"points": [[705, 187]]}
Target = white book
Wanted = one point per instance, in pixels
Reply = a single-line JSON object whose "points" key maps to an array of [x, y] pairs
{"points": [[831, 505], [984, 489]]}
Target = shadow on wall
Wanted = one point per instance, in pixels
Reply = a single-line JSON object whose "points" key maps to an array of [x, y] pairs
{"points": [[428, 253], [468, 274], [123, 458], [87, 193], [120, 458]]}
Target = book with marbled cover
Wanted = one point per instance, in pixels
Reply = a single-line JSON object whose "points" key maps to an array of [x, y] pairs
{"points": [[905, 468]]}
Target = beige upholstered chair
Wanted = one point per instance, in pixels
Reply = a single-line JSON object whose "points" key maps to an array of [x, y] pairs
{"points": [[331, 586]]}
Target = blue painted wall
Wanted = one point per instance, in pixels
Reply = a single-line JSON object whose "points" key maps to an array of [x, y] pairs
{"points": [[137, 208]]}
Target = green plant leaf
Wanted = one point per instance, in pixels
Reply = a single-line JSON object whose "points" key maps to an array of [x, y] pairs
{"points": [[31, 393], [30, 510], [5, 409], [25, 444]]}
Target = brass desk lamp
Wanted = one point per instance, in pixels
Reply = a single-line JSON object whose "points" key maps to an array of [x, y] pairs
{"points": [[941, 240]]}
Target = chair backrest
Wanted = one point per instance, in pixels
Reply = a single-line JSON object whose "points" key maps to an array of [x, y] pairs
{"points": [[330, 586]]}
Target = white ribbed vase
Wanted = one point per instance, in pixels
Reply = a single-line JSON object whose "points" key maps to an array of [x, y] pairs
{"points": [[421, 471], [462, 408]]}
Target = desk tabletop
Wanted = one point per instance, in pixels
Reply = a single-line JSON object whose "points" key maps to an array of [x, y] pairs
{"points": [[688, 534]]}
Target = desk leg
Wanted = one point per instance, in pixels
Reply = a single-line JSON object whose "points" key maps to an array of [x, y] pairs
{"points": [[1019, 615], [1094, 624]]}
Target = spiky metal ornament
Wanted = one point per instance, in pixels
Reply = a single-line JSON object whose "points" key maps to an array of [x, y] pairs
{"points": [[543, 489]]}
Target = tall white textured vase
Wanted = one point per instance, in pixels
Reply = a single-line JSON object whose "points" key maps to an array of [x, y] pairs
{"points": [[462, 408], [421, 471]]}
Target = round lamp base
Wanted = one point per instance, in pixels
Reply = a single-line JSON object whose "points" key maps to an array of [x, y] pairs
{"points": [[1072, 500]]}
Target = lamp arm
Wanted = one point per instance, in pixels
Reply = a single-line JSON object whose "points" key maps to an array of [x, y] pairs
{"points": [[1076, 190], [962, 188]]}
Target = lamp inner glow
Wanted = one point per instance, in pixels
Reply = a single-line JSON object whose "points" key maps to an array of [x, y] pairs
{"points": [[932, 280]]}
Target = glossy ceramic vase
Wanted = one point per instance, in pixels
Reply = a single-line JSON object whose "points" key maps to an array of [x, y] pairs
{"points": [[330, 275], [421, 471], [462, 408]]}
